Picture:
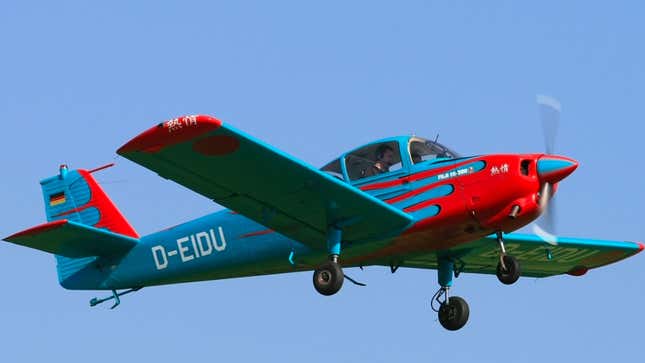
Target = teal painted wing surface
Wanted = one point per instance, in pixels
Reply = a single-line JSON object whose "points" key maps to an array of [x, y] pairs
{"points": [[537, 258], [71, 239], [260, 182]]}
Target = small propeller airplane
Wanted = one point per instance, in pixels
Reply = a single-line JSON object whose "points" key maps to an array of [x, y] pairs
{"points": [[397, 202]]}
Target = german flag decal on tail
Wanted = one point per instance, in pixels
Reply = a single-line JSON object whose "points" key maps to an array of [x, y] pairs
{"points": [[56, 199]]}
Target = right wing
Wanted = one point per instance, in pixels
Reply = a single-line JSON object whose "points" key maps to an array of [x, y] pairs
{"points": [[537, 258], [261, 182]]}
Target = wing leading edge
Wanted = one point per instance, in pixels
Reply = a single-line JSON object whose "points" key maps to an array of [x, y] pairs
{"points": [[574, 256], [261, 182]]}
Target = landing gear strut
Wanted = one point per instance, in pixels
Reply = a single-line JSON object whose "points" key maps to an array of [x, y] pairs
{"points": [[453, 311], [328, 277], [508, 268]]}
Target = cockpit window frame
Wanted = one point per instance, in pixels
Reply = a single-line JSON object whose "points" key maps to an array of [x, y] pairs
{"points": [[366, 161], [403, 143], [453, 154], [330, 169]]}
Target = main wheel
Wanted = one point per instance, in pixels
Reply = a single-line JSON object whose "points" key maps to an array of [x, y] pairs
{"points": [[511, 273], [328, 278], [453, 314]]}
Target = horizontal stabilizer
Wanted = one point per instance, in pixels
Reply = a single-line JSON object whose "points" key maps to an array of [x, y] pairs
{"points": [[72, 239]]}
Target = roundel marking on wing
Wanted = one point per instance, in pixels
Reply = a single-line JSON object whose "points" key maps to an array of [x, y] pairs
{"points": [[216, 145]]}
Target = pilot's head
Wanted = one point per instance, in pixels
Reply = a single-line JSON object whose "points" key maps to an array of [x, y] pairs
{"points": [[416, 158], [385, 154]]}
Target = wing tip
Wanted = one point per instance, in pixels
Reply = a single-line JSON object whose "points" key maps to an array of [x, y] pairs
{"points": [[37, 229], [578, 271], [170, 132]]}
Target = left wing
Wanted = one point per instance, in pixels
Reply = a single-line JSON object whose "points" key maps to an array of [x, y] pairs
{"points": [[261, 182], [537, 259]]}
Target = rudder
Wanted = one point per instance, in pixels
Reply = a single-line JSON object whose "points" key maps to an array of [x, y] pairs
{"points": [[76, 196]]}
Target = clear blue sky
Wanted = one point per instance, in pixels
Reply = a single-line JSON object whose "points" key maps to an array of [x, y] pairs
{"points": [[78, 79]]}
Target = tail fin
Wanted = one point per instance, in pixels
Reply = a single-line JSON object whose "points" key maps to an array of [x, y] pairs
{"points": [[76, 196]]}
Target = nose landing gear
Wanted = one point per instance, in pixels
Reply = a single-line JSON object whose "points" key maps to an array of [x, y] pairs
{"points": [[508, 268]]}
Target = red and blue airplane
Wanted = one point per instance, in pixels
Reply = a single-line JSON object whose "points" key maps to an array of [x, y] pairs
{"points": [[397, 202]]}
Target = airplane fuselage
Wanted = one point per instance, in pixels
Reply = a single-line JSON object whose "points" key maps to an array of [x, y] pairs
{"points": [[452, 201]]}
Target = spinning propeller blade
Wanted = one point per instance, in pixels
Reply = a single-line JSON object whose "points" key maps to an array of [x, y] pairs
{"points": [[547, 220], [549, 111]]}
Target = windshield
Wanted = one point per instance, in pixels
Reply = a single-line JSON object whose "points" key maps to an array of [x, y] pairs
{"points": [[424, 150], [373, 159], [333, 169]]}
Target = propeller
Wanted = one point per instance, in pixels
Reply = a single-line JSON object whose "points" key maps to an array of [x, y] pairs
{"points": [[549, 109], [549, 112]]}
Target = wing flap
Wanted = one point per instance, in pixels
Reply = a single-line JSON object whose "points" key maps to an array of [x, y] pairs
{"points": [[261, 182], [537, 258], [71, 239]]}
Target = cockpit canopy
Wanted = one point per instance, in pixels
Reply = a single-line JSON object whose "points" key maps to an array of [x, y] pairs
{"points": [[423, 150], [387, 156]]}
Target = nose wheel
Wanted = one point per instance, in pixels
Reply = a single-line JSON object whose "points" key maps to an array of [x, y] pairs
{"points": [[508, 272], [508, 268]]}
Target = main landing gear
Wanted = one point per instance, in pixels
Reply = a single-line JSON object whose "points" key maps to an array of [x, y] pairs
{"points": [[452, 311], [328, 277], [508, 268]]}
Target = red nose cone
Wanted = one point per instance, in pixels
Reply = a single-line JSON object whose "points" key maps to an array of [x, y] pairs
{"points": [[553, 168]]}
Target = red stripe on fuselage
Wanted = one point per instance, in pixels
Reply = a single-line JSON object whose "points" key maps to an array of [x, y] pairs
{"points": [[418, 191], [257, 233], [421, 205], [415, 177]]}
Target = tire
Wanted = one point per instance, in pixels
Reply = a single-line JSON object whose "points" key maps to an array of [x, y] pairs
{"points": [[453, 315], [328, 278], [512, 272]]}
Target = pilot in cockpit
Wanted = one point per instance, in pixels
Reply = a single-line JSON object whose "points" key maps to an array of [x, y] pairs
{"points": [[416, 158], [384, 159]]}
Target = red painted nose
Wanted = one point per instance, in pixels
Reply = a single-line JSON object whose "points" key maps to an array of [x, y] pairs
{"points": [[553, 168]]}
